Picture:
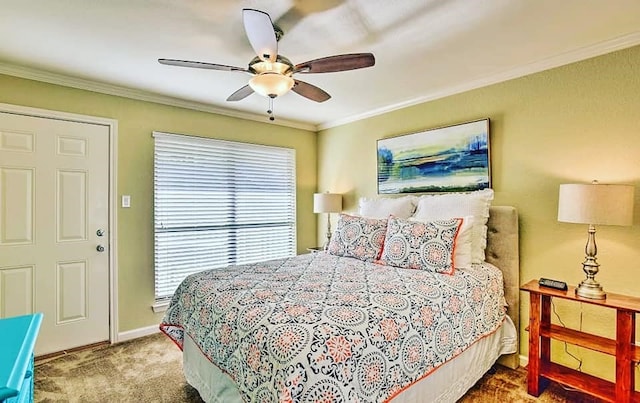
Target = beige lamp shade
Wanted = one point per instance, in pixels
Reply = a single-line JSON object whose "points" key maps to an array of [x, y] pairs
{"points": [[327, 203], [598, 204]]}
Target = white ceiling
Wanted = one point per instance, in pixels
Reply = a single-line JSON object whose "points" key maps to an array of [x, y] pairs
{"points": [[424, 49]]}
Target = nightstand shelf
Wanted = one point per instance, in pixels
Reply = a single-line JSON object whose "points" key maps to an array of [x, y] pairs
{"points": [[541, 332], [593, 385], [592, 342]]}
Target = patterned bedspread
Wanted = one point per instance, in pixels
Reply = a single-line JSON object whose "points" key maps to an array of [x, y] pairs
{"points": [[318, 327]]}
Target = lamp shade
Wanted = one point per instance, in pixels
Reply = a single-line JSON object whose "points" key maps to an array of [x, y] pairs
{"points": [[327, 203], [596, 204]]}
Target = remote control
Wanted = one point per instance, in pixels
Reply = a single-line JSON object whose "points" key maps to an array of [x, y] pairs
{"points": [[558, 285]]}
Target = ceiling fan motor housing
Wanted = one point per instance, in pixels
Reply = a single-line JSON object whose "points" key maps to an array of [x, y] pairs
{"points": [[282, 65]]}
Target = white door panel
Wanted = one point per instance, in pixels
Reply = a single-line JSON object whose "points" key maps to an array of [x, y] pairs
{"points": [[54, 196], [16, 289], [16, 198]]}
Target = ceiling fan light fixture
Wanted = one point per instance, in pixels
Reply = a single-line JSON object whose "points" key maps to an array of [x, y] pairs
{"points": [[271, 84]]}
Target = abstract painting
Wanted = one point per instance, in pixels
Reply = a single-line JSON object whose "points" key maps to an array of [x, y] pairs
{"points": [[447, 159]]}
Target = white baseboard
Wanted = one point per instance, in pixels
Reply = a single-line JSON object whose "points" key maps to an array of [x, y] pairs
{"points": [[524, 360], [136, 333]]}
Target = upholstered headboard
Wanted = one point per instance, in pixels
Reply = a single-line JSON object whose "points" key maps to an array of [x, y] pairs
{"points": [[503, 252]]}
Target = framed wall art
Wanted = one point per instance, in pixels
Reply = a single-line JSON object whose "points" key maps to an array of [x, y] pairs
{"points": [[447, 159]]}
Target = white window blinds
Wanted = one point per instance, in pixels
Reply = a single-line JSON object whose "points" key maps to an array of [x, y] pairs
{"points": [[218, 203]]}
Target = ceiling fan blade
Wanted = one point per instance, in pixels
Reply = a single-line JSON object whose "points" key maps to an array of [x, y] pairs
{"points": [[200, 65], [310, 91], [261, 35], [335, 63], [242, 93]]}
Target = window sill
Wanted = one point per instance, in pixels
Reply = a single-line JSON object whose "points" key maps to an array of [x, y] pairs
{"points": [[160, 306]]}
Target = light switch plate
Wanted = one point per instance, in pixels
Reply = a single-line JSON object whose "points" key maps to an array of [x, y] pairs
{"points": [[126, 201]]}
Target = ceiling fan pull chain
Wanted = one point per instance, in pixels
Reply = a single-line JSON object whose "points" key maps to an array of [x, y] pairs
{"points": [[270, 110]]}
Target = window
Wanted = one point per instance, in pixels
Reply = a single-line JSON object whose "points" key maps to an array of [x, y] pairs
{"points": [[218, 203]]}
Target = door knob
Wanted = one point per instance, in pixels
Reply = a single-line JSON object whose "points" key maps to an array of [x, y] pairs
{"points": [[100, 232], [100, 248]]}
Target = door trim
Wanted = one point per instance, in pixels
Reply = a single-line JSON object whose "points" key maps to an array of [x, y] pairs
{"points": [[112, 125]]}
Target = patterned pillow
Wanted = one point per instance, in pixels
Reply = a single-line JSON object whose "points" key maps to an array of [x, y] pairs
{"points": [[445, 206], [421, 245], [462, 249], [358, 237]]}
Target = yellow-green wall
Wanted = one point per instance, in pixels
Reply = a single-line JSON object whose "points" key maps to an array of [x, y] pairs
{"points": [[136, 121], [570, 124]]}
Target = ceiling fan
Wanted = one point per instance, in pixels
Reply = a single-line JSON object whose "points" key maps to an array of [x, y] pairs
{"points": [[272, 73]]}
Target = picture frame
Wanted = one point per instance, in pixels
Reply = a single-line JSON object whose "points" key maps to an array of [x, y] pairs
{"points": [[446, 159]]}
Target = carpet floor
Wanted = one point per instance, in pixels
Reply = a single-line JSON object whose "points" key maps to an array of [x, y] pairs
{"points": [[149, 369]]}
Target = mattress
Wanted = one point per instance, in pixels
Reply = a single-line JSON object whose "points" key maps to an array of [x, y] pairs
{"points": [[319, 326]]}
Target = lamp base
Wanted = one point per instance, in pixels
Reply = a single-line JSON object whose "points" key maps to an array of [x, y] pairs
{"points": [[326, 244], [591, 289]]}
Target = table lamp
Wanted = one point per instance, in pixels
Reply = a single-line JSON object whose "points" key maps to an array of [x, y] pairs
{"points": [[327, 203], [594, 204]]}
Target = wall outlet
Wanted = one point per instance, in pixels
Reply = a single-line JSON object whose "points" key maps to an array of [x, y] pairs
{"points": [[126, 201]]}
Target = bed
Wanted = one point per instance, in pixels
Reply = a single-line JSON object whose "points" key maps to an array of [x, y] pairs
{"points": [[320, 327]]}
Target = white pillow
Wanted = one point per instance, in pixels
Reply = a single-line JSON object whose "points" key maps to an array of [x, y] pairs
{"points": [[462, 249], [451, 205], [383, 207]]}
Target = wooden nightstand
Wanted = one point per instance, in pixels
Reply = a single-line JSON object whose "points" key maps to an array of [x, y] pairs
{"points": [[541, 331], [316, 249]]}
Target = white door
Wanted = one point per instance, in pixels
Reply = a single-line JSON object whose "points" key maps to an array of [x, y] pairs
{"points": [[54, 216]]}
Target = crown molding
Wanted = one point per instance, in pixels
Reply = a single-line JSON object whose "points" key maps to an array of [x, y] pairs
{"points": [[586, 52], [110, 89], [562, 59]]}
